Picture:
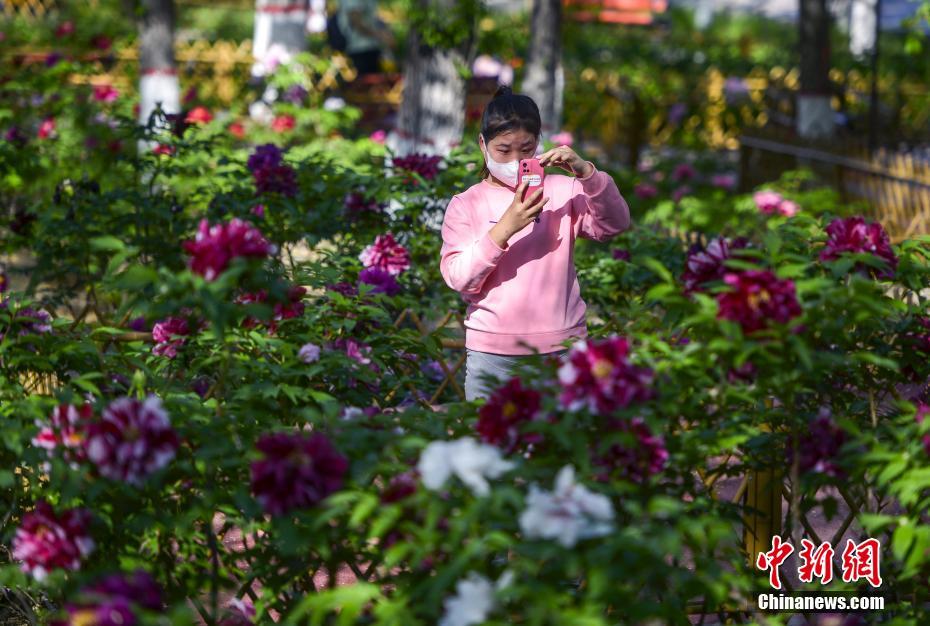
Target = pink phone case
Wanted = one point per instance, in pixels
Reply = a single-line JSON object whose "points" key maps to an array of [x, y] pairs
{"points": [[531, 170]]}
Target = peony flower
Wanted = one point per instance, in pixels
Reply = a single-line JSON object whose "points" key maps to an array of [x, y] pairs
{"points": [[46, 128], [724, 181], [387, 254], [423, 164], [501, 418], [15, 136], [66, 429], [705, 265], [309, 353], [270, 173], [291, 308], [378, 136], [767, 201], [683, 172], [473, 600], [598, 376], [296, 471], [45, 541], [283, 123], [258, 210], [637, 461], [115, 600], [190, 95], [236, 129], [169, 335], [238, 613], [105, 93], [621, 255], [400, 487], [295, 94], [788, 208], [680, 193], [854, 235], [163, 149], [36, 322], [383, 281], [819, 445], [133, 440], [645, 191], [563, 138], [568, 513], [356, 202], [198, 115], [101, 42], [215, 247], [757, 298], [472, 462], [64, 29], [345, 288]]}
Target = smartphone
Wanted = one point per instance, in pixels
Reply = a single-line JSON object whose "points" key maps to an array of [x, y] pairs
{"points": [[532, 172]]}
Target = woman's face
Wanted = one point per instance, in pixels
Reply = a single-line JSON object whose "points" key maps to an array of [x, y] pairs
{"points": [[510, 145]]}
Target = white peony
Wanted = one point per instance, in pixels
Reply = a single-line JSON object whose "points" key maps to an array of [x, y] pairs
{"points": [[473, 601], [569, 513], [472, 462]]}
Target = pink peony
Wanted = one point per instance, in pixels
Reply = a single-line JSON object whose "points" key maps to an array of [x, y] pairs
{"points": [[563, 138], [67, 430], [64, 29], [296, 471], [757, 298], [501, 418], [854, 235], [215, 247], [133, 440], [645, 191], [767, 201], [105, 93], [387, 254], [46, 541], [169, 335], [378, 136], [598, 375], [47, 128], [236, 129], [705, 265]]}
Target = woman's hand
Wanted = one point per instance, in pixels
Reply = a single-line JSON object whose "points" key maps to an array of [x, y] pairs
{"points": [[518, 214], [568, 160]]}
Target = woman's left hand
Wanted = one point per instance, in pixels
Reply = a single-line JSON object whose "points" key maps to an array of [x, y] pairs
{"points": [[568, 160]]}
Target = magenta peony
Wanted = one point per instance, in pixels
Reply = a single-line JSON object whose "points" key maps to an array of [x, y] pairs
{"points": [[635, 461], [854, 235], [501, 418], [45, 541], [132, 440], [598, 375], [387, 254], [215, 247], [757, 298], [705, 265], [296, 471], [66, 430]]}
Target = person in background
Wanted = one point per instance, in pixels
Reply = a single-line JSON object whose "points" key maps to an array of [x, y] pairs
{"points": [[366, 35]]}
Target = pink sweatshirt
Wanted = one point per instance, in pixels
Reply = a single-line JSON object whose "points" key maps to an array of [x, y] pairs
{"points": [[525, 297]]}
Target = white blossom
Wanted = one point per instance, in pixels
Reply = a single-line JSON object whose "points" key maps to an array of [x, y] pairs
{"points": [[472, 462], [473, 601], [309, 352], [569, 513]]}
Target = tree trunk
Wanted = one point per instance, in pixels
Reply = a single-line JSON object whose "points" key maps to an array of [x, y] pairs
{"points": [[431, 119], [815, 117], [544, 81], [280, 32], [158, 76]]}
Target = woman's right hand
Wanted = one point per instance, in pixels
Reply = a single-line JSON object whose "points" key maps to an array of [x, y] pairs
{"points": [[519, 213]]}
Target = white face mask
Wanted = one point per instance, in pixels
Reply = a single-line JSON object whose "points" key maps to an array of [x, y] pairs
{"points": [[505, 172]]}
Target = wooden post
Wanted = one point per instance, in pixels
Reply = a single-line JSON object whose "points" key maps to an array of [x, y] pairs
{"points": [[762, 518]]}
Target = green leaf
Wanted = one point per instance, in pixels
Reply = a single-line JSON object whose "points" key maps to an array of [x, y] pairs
{"points": [[107, 243]]}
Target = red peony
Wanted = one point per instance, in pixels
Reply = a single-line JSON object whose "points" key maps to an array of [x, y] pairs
{"points": [[46, 541], [283, 123], [46, 128], [199, 115], [163, 148], [756, 298], [236, 129], [853, 234], [215, 247], [133, 440], [297, 471], [598, 375], [636, 461], [105, 93], [293, 307], [423, 164], [387, 254], [501, 418]]}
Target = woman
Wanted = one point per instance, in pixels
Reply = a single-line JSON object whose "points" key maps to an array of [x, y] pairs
{"points": [[512, 260]]}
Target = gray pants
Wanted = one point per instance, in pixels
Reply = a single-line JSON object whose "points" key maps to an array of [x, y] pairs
{"points": [[500, 366]]}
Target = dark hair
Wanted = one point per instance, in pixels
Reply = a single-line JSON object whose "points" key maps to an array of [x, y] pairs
{"points": [[508, 111]]}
